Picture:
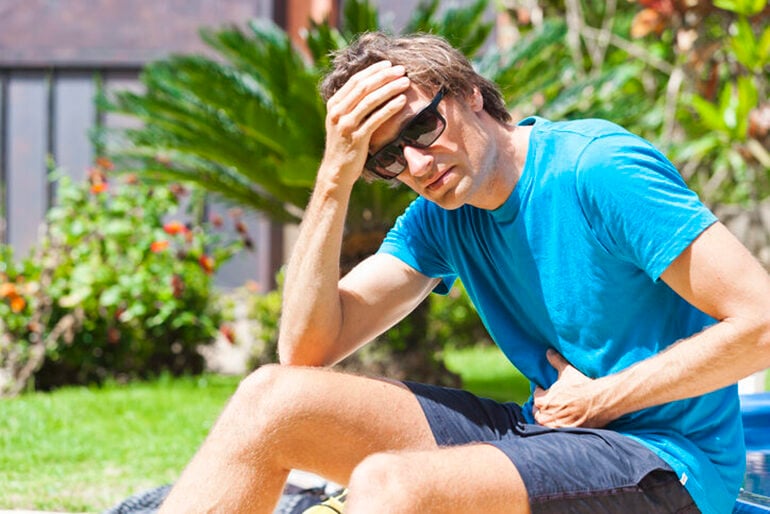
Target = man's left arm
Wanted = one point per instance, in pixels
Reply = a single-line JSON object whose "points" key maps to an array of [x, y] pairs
{"points": [[719, 276]]}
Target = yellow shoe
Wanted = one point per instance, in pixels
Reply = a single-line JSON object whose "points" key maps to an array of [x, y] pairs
{"points": [[334, 504]]}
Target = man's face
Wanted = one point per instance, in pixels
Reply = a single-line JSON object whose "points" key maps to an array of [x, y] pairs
{"points": [[449, 172]]}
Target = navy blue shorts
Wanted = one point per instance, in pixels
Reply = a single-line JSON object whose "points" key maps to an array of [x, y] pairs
{"points": [[568, 470]]}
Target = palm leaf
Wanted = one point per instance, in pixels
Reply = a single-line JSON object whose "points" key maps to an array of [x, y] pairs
{"points": [[463, 27], [358, 16]]}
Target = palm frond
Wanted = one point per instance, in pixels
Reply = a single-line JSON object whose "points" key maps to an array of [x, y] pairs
{"points": [[358, 16], [463, 26]]}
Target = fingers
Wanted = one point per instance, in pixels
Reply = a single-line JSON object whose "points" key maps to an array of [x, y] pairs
{"points": [[366, 81], [368, 98], [359, 77]]}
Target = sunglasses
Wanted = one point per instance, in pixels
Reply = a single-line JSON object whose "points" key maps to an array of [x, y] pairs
{"points": [[420, 132]]}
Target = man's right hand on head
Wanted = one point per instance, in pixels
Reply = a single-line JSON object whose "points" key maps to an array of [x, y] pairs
{"points": [[366, 101]]}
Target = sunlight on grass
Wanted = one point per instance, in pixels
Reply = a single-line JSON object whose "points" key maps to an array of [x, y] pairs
{"points": [[487, 372], [84, 449]]}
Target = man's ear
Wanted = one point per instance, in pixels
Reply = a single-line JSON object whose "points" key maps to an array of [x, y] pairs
{"points": [[475, 100]]}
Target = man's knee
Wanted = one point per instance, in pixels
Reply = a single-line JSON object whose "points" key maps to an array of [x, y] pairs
{"points": [[265, 394], [260, 381], [386, 483]]}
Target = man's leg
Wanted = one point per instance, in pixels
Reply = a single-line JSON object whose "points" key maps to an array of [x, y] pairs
{"points": [[471, 478], [284, 418]]}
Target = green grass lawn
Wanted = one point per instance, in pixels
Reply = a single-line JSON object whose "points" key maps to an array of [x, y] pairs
{"points": [[487, 372], [85, 449]]}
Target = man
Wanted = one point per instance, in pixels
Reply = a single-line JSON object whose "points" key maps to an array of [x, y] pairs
{"points": [[632, 310]]}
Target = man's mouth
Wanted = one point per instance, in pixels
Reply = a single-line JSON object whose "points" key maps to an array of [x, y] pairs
{"points": [[439, 180]]}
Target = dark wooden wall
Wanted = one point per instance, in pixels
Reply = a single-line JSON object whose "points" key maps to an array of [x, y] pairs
{"points": [[52, 52]]}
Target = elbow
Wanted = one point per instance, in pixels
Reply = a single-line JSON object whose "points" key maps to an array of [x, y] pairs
{"points": [[294, 352], [293, 358], [758, 332], [764, 337], [289, 355]]}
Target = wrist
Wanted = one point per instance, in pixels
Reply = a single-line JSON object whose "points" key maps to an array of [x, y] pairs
{"points": [[610, 398], [338, 174]]}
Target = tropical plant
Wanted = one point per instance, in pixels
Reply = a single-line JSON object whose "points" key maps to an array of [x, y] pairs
{"points": [[249, 126], [576, 65], [721, 53], [692, 76]]}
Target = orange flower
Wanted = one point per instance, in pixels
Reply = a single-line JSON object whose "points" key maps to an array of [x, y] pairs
{"points": [[207, 263], [177, 190], [228, 333], [113, 335], [216, 220], [98, 187], [646, 22], [18, 303], [104, 162], [163, 159], [158, 246], [177, 285], [7, 290], [240, 227], [173, 228]]}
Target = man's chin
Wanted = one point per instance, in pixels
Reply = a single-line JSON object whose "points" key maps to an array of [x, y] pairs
{"points": [[449, 200]]}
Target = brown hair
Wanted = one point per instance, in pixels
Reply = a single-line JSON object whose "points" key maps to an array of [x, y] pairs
{"points": [[430, 63]]}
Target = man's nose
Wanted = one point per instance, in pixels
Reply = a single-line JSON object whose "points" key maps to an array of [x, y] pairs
{"points": [[419, 161]]}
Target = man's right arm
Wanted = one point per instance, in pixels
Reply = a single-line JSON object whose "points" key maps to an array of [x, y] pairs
{"points": [[325, 318]]}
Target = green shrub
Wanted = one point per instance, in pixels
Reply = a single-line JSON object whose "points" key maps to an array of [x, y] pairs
{"points": [[113, 289]]}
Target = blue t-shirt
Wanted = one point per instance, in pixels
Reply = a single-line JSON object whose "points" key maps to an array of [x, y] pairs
{"points": [[572, 261]]}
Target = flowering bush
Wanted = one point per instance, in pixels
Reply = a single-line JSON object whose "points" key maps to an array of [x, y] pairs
{"points": [[115, 287]]}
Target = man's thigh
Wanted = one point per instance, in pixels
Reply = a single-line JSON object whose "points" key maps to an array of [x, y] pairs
{"points": [[563, 470], [324, 421], [283, 418]]}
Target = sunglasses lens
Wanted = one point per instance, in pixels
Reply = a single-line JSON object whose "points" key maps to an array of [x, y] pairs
{"points": [[388, 162], [423, 130]]}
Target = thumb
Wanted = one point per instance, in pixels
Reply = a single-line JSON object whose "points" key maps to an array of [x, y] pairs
{"points": [[556, 360]]}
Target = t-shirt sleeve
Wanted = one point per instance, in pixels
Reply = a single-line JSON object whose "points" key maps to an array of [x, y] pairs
{"points": [[412, 240], [637, 203]]}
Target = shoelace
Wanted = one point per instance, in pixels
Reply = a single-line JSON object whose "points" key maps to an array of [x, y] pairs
{"points": [[333, 504]]}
